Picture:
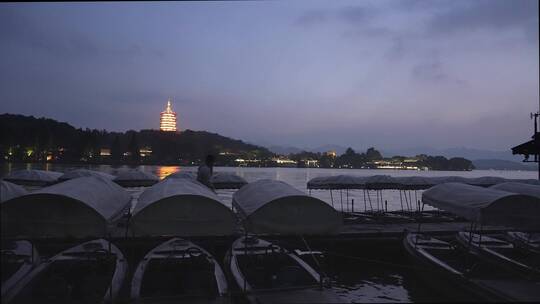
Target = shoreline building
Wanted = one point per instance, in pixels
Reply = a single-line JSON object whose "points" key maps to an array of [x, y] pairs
{"points": [[167, 119]]}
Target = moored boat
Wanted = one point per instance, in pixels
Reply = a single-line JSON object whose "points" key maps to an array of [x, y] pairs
{"points": [[446, 266], [78, 208], [481, 205], [10, 191], [33, 177], [76, 173], [92, 272], [500, 251], [135, 178], [529, 241], [179, 271], [270, 206], [18, 259], [181, 207], [267, 273]]}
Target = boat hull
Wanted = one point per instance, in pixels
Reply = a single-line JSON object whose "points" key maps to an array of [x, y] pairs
{"points": [[289, 280], [172, 261], [23, 258], [93, 271]]}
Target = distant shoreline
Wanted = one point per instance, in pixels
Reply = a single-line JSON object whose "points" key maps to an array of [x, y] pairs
{"points": [[196, 165]]}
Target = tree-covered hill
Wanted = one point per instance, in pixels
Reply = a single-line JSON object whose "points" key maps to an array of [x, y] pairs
{"points": [[26, 138]]}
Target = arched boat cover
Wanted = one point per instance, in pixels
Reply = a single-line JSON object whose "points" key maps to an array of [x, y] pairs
{"points": [[450, 179], [135, 178], [9, 190], [183, 174], [84, 173], [270, 206], [337, 182], [415, 182], [519, 188], [526, 181], [380, 182], [81, 207], [486, 181], [33, 177], [225, 180], [181, 207], [485, 205]]}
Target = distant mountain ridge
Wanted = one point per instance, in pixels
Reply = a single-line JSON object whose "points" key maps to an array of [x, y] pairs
{"points": [[498, 164], [468, 153], [28, 139]]}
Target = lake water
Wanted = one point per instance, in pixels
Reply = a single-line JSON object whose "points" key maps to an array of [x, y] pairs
{"points": [[364, 272]]}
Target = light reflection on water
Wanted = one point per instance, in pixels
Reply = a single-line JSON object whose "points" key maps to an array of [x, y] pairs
{"points": [[164, 171]]}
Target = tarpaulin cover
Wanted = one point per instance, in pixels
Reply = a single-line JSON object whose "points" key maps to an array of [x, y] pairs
{"points": [[181, 207], [135, 178], [519, 188], [486, 205], [33, 177], [84, 173], [81, 207], [225, 180], [337, 182], [270, 206], [9, 190]]}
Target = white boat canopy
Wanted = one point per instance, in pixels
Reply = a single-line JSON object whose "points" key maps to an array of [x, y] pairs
{"points": [[337, 182], [380, 182], [225, 180], [9, 190], [450, 179], [135, 178], [80, 207], [76, 173], [270, 206], [33, 177], [525, 181], [485, 205], [486, 181], [181, 207], [415, 182], [519, 188]]}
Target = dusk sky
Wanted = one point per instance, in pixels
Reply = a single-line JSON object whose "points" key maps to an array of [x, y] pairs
{"points": [[389, 74]]}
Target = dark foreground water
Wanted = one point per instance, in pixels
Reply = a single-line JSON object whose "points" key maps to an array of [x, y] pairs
{"points": [[364, 271]]}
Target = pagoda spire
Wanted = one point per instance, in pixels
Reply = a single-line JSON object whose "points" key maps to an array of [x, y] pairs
{"points": [[167, 121], [169, 109]]}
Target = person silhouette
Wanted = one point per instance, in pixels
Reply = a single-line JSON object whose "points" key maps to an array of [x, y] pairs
{"points": [[205, 171]]}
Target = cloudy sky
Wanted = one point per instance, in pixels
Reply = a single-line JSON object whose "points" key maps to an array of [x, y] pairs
{"points": [[392, 74]]}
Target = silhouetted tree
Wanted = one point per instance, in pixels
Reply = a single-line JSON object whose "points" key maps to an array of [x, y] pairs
{"points": [[372, 154]]}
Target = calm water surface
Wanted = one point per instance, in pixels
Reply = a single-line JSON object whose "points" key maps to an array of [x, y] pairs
{"points": [[364, 273]]}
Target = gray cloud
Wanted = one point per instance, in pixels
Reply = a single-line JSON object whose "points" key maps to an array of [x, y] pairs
{"points": [[486, 14], [19, 29]]}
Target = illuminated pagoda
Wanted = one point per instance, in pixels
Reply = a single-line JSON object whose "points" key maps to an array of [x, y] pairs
{"points": [[167, 120]]}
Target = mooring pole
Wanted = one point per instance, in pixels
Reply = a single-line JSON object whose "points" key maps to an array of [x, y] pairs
{"points": [[401, 200]]}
